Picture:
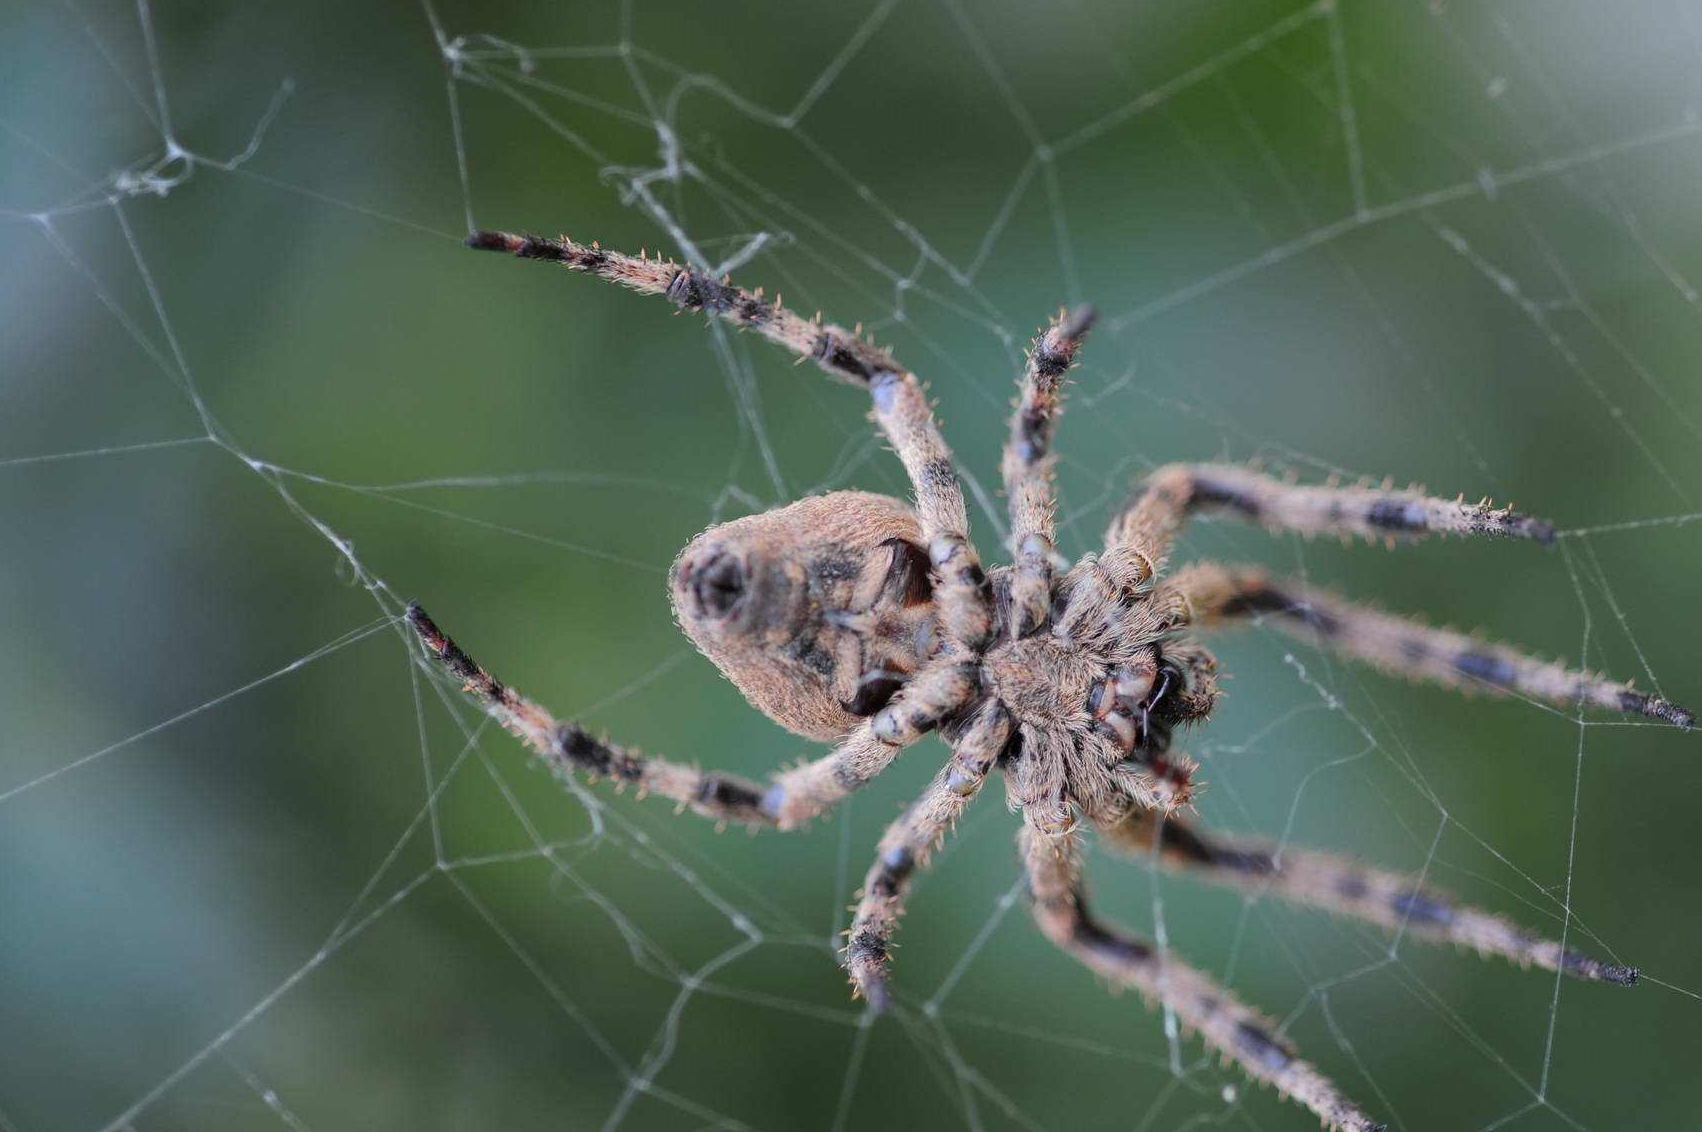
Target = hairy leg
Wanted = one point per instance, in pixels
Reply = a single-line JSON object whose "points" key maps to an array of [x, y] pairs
{"points": [[1028, 464], [836, 350], [1336, 884], [961, 594], [1228, 1026], [1144, 530], [1216, 595], [791, 799], [900, 405], [568, 747], [934, 693], [908, 842]]}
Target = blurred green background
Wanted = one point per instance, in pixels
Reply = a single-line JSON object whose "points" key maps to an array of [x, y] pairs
{"points": [[225, 901]]}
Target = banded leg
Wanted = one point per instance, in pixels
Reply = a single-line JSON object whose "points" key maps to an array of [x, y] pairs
{"points": [[838, 351], [1335, 884], [900, 407], [567, 747], [1028, 463], [1147, 526], [1222, 1022], [803, 792], [908, 842], [1218, 595], [961, 596]]}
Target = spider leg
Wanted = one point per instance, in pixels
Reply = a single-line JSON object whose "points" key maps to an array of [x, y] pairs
{"points": [[1235, 1030], [1217, 595], [900, 407], [961, 594], [1146, 527], [567, 746], [799, 794], [908, 842], [1336, 884], [791, 799], [838, 351], [1028, 465]]}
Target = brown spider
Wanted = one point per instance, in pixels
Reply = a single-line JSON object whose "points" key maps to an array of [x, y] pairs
{"points": [[857, 619]]}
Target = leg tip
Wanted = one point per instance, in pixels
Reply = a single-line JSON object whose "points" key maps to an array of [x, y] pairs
{"points": [[422, 623], [434, 639], [486, 241], [1078, 321], [1597, 970], [1680, 717]]}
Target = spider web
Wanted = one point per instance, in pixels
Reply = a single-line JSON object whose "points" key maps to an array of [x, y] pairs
{"points": [[264, 868]]}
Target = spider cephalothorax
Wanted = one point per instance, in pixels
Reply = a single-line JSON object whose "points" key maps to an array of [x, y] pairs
{"points": [[859, 619]]}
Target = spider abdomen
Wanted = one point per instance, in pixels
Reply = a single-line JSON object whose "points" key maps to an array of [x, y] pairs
{"points": [[818, 611]]}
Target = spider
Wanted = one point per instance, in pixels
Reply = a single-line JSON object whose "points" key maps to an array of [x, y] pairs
{"points": [[862, 620]]}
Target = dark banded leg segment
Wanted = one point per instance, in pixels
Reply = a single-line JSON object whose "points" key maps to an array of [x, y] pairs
{"points": [[1203, 1007], [1174, 492], [568, 747], [1027, 467], [1335, 884], [838, 351], [908, 842], [934, 693], [1218, 595]]}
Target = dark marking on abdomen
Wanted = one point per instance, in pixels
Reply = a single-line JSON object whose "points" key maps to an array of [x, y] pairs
{"points": [[807, 651]]}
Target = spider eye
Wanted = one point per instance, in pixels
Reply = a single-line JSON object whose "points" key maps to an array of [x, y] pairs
{"points": [[715, 583]]}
